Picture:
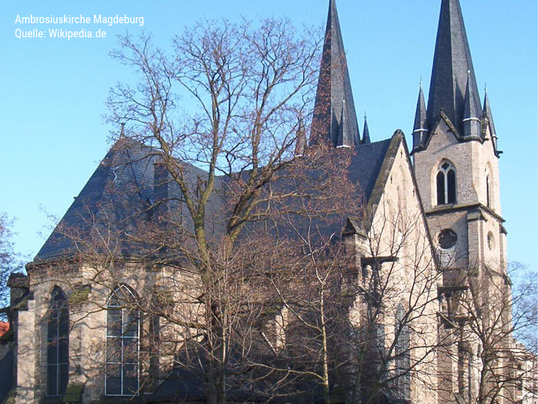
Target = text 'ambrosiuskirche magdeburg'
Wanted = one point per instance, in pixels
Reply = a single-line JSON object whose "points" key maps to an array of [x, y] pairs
{"points": [[69, 19]]}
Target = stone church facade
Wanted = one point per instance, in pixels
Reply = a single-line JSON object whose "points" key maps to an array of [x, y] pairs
{"points": [[442, 195]]}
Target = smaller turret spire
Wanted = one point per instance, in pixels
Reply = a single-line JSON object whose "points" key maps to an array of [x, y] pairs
{"points": [[342, 140], [420, 127], [486, 114], [365, 132], [471, 120]]}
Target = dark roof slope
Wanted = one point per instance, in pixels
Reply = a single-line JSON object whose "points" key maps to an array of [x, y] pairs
{"points": [[118, 197], [366, 165], [121, 194], [124, 176]]}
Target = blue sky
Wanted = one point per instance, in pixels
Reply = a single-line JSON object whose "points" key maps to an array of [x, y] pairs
{"points": [[52, 134]]}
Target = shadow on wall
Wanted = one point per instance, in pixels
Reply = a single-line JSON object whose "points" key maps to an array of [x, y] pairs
{"points": [[6, 371]]}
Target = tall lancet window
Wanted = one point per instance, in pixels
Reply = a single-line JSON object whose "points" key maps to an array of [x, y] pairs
{"points": [[122, 345], [465, 372], [488, 192], [402, 354], [446, 184], [57, 344]]}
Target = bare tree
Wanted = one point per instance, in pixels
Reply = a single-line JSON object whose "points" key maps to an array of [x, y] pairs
{"points": [[221, 121], [356, 316], [9, 260], [249, 86], [394, 341], [489, 315]]}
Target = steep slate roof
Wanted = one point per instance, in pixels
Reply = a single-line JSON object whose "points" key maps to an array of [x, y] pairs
{"points": [[121, 191], [366, 165], [118, 197], [334, 111], [125, 165], [451, 64]]}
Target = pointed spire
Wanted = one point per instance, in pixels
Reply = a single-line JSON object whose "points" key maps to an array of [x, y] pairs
{"points": [[335, 118], [487, 114], [420, 127], [365, 132], [471, 121], [451, 63], [300, 139]]}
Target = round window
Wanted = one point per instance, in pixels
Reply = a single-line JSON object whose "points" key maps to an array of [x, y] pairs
{"points": [[447, 239]]}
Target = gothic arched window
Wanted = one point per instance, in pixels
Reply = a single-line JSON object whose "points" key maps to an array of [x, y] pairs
{"points": [[122, 344], [57, 344], [446, 184], [402, 353]]}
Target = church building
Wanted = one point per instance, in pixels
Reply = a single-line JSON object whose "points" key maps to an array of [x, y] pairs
{"points": [[428, 254]]}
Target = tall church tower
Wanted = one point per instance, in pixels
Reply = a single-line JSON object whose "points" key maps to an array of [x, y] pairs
{"points": [[456, 156], [456, 161]]}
